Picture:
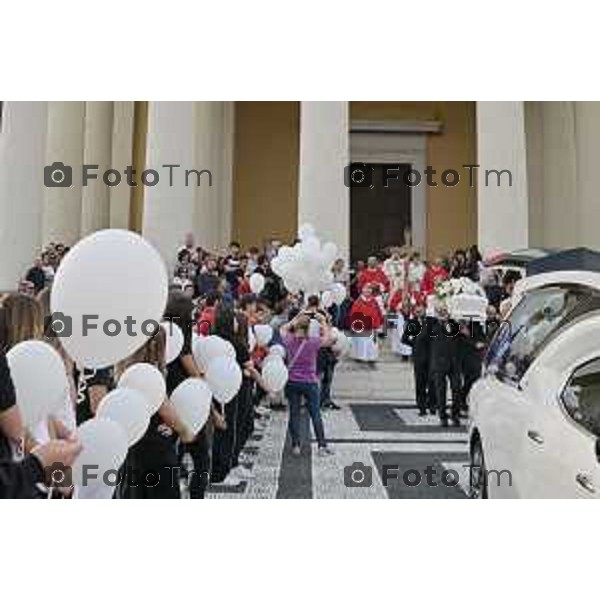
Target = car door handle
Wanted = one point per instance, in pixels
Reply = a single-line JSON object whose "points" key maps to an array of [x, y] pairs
{"points": [[534, 436], [585, 482]]}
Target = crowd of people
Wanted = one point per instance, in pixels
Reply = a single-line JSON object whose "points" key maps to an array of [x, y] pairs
{"points": [[212, 294]]}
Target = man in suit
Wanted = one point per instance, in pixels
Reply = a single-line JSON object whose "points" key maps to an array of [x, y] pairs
{"points": [[445, 366], [416, 335]]}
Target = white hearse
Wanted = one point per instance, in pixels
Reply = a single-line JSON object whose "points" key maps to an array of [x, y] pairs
{"points": [[535, 413]]}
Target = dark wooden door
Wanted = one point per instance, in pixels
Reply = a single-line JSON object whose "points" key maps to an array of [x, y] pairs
{"points": [[379, 215]]}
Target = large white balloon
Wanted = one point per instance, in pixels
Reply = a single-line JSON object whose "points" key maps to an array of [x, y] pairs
{"points": [[104, 449], [174, 340], [224, 378], [191, 400], [106, 279], [207, 348], [263, 334], [40, 380], [148, 380], [251, 340], [129, 409], [275, 374], [257, 283]]}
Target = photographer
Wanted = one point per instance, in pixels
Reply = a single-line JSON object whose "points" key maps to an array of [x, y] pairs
{"points": [[303, 382]]}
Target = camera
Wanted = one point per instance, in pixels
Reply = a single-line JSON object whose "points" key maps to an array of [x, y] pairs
{"points": [[359, 325], [358, 475], [358, 175], [61, 324], [58, 175], [58, 475]]}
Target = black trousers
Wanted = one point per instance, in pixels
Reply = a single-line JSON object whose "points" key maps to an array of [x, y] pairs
{"points": [[421, 372], [439, 379], [200, 451]]}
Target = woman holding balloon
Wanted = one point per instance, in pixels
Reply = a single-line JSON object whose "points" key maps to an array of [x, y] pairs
{"points": [[152, 465]]}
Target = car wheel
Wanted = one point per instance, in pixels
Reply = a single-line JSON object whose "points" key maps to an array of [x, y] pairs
{"points": [[477, 478]]}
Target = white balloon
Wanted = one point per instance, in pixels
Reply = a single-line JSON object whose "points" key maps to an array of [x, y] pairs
{"points": [[174, 340], [339, 292], [257, 283], [277, 350], [207, 348], [191, 400], [305, 231], [275, 374], [115, 275], [129, 409], [285, 252], [148, 380], [224, 378], [104, 448], [40, 380], [311, 249], [263, 334], [327, 299]]}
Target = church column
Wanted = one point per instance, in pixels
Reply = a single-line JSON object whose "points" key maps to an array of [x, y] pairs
{"points": [[23, 129], [169, 205], [503, 212], [62, 206], [95, 195], [323, 199]]}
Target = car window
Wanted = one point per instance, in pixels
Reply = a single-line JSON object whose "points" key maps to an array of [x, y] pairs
{"points": [[581, 396], [530, 326]]}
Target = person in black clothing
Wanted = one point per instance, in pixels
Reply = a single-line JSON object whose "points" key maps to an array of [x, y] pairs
{"points": [[471, 344], [179, 310], [417, 335], [445, 366], [151, 469]]}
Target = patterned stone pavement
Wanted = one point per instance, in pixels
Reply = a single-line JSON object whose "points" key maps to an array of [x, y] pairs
{"points": [[378, 428]]}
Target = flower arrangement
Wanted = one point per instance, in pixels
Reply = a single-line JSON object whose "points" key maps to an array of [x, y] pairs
{"points": [[463, 298]]}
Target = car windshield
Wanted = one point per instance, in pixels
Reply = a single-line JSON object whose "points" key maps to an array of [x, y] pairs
{"points": [[539, 315]]}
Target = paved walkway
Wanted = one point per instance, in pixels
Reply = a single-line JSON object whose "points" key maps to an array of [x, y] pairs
{"points": [[378, 428]]}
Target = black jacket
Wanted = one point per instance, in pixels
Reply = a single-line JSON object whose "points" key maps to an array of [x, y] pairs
{"points": [[444, 347], [417, 335]]}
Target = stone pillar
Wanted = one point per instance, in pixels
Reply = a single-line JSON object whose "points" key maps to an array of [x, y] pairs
{"points": [[323, 199], [22, 159], [95, 196], [503, 212], [62, 206], [121, 157], [208, 155], [169, 205]]}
